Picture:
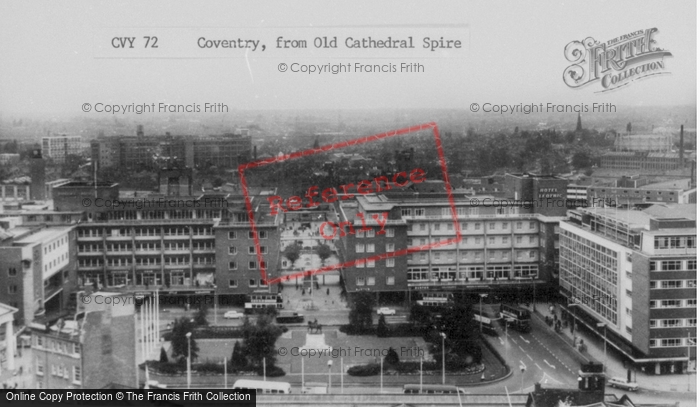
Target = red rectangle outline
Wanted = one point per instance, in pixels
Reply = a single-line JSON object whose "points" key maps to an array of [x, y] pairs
{"points": [[329, 147]]}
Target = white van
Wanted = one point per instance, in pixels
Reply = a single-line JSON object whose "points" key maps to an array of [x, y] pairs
{"points": [[264, 387]]}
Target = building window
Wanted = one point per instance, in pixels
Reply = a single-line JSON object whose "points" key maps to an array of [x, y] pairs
{"points": [[370, 233], [504, 226], [12, 289], [492, 240], [232, 265], [668, 284], [652, 266], [436, 226], [252, 282], [12, 272], [406, 211], [232, 250], [671, 342], [671, 265], [232, 283], [389, 247], [692, 265], [477, 226], [39, 366], [360, 281], [370, 280], [505, 240], [370, 247], [390, 262], [670, 303], [652, 284], [492, 226], [77, 375], [359, 234], [370, 263], [232, 235], [652, 343], [252, 265], [652, 323], [691, 303], [389, 232], [390, 280], [359, 248], [692, 322], [262, 234], [692, 283], [360, 263], [532, 225], [422, 227]]}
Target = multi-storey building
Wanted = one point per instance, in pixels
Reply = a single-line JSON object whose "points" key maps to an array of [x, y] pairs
{"points": [[504, 246], [183, 244], [58, 148], [37, 269], [635, 273], [227, 151], [631, 192], [91, 352]]}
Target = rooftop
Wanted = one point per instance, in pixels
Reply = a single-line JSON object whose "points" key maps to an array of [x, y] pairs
{"points": [[43, 235]]}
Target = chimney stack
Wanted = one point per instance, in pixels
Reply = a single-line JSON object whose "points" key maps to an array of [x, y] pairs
{"points": [[681, 151]]}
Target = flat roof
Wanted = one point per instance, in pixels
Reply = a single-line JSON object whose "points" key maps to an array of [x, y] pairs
{"points": [[43, 235]]}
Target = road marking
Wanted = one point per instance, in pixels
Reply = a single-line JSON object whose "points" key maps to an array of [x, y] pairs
{"points": [[538, 366], [526, 341], [550, 365], [521, 348], [530, 357]]}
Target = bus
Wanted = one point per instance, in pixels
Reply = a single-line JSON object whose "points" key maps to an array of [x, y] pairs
{"points": [[289, 317], [435, 301], [263, 387], [431, 389], [516, 317], [257, 303], [487, 325]]}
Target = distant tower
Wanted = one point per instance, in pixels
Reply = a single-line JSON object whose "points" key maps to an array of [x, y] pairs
{"points": [[38, 175], [578, 123]]}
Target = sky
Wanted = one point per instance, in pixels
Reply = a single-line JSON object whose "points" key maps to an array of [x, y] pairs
{"points": [[53, 61]]}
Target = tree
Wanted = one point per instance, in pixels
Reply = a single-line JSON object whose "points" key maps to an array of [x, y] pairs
{"points": [[201, 317], [462, 331], [239, 361], [163, 355], [361, 312], [259, 340], [179, 339], [419, 315], [391, 358], [292, 252], [382, 327], [324, 252], [581, 160]]}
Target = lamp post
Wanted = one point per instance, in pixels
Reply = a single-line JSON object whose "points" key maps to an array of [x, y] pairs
{"points": [[330, 365], [481, 315], [605, 343], [442, 335], [188, 335], [533, 293]]}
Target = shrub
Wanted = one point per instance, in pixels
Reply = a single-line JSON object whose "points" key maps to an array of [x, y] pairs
{"points": [[371, 369], [209, 368], [271, 371]]}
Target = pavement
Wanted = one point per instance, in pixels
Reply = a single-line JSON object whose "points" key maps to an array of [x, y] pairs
{"points": [[677, 383]]}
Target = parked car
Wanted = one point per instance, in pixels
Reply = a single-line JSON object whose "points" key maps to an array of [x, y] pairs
{"points": [[386, 311], [233, 315], [622, 383]]}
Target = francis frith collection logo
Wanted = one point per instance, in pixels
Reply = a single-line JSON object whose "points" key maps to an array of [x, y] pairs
{"points": [[614, 63]]}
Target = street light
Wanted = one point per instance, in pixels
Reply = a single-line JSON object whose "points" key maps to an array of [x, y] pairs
{"points": [[481, 315], [188, 335], [605, 343], [330, 365], [442, 335], [522, 376]]}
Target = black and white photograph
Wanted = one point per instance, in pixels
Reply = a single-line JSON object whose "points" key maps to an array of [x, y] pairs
{"points": [[349, 203]]}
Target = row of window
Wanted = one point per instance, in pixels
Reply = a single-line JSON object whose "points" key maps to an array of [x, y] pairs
{"points": [[60, 371], [687, 303], [675, 242], [422, 227], [233, 250], [232, 283], [673, 265], [57, 346], [671, 342], [252, 265], [55, 262], [361, 281], [670, 284], [476, 255], [262, 234], [56, 244], [673, 323], [359, 233], [475, 240], [369, 263]]}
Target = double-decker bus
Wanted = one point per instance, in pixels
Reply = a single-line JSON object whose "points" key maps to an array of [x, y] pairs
{"points": [[516, 317], [487, 325], [257, 303], [435, 301]]}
